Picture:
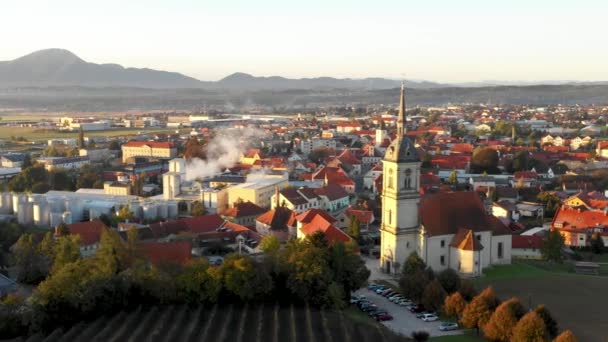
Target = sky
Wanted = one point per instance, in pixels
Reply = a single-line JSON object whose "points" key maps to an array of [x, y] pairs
{"points": [[436, 40]]}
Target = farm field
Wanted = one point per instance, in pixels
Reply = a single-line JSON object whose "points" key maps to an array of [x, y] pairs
{"points": [[224, 322], [572, 299], [41, 134]]}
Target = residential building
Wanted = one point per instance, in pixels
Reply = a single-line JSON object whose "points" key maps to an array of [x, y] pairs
{"points": [[150, 149]]}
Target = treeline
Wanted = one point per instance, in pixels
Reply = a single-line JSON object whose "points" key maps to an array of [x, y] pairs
{"points": [[457, 298], [119, 278], [36, 179]]}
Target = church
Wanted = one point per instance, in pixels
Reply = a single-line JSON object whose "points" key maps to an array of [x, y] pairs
{"points": [[447, 230]]}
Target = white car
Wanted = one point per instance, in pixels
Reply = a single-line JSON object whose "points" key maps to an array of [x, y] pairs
{"points": [[404, 302], [429, 317]]}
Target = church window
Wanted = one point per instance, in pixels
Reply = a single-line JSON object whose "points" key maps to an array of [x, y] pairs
{"points": [[442, 259], [407, 183], [442, 243], [390, 216], [407, 244], [390, 178], [500, 250], [478, 237]]}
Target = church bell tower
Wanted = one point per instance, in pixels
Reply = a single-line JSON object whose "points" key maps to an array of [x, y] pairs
{"points": [[400, 229]]}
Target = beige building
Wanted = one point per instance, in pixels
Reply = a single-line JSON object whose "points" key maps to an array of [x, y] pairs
{"points": [[148, 149], [257, 190], [113, 188]]}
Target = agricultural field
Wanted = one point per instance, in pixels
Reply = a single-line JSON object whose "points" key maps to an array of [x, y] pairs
{"points": [[224, 322], [572, 299], [36, 134]]}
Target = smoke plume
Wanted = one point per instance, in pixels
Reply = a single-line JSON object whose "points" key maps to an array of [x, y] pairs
{"points": [[223, 151]]}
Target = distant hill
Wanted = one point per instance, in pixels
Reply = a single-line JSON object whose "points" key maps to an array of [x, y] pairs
{"points": [[57, 67]]}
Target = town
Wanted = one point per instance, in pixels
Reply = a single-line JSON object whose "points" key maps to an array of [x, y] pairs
{"points": [[433, 206]]}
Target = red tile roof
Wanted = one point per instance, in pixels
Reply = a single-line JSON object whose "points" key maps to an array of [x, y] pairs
{"points": [[364, 216], [243, 209], [332, 192], [526, 241], [465, 240], [278, 218], [320, 224], [203, 224], [176, 252], [308, 215], [89, 231], [577, 219]]}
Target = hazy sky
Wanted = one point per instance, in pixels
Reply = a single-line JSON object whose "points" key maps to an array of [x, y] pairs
{"points": [[466, 40]]}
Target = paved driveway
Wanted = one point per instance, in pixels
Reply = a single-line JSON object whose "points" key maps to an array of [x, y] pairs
{"points": [[404, 322]]}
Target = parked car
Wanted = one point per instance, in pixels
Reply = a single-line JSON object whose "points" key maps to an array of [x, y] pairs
{"points": [[430, 317], [404, 302], [378, 312], [354, 299], [385, 317], [374, 286], [420, 315], [417, 308], [446, 326], [389, 293], [395, 297]]}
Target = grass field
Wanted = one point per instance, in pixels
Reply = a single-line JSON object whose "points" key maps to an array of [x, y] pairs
{"points": [[39, 134], [469, 336], [573, 299]]}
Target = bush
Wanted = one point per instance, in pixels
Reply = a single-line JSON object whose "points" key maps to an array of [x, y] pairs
{"points": [[420, 336]]}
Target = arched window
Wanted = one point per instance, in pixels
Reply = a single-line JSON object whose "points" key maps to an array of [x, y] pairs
{"points": [[390, 179], [407, 183]]}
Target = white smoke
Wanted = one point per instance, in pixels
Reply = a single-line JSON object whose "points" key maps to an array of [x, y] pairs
{"points": [[223, 151]]}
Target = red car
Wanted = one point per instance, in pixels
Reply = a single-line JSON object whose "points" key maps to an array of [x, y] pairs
{"points": [[385, 317]]}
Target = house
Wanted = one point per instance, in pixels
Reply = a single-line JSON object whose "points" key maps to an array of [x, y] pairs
{"points": [[90, 235], [365, 218], [505, 209], [333, 197], [524, 179], [577, 225], [280, 222], [68, 163], [526, 246], [314, 220], [243, 213], [482, 182], [370, 176], [12, 160], [296, 199], [251, 156]]}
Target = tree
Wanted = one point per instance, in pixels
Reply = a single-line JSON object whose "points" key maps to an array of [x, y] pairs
{"points": [[198, 282], [198, 209], [412, 264], [597, 243], [503, 320], [467, 289], [67, 250], [530, 328], [566, 336], [242, 278], [477, 313], [551, 247], [484, 159], [550, 200], [520, 162], [420, 336], [114, 145], [27, 161], [29, 262], [62, 229], [433, 295], [550, 322], [354, 228], [453, 178], [81, 143], [454, 304], [413, 285], [270, 244], [124, 214], [450, 280], [112, 256], [318, 155]]}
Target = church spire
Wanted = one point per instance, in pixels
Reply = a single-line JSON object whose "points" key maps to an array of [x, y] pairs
{"points": [[401, 119]]}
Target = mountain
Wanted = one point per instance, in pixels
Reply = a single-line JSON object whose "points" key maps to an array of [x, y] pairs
{"points": [[58, 67]]}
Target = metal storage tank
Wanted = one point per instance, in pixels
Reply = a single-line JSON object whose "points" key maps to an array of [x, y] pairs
{"points": [[172, 209], [163, 210], [75, 207], [67, 217], [25, 212], [55, 219], [6, 203], [18, 198], [150, 212], [42, 211], [135, 207]]}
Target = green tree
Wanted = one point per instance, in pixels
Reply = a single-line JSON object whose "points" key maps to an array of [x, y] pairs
{"points": [[318, 155], [477, 313], [412, 264], [433, 295], [242, 278], [550, 201], [354, 228], [566, 336], [124, 214], [530, 328], [81, 143], [29, 262], [413, 285], [62, 229], [111, 256], [503, 320], [550, 322], [449, 279], [67, 250], [467, 289], [551, 247], [114, 145], [484, 159], [198, 282], [454, 305], [453, 178], [270, 244], [198, 209]]}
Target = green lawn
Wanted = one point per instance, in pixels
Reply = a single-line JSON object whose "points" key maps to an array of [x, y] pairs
{"points": [[358, 316], [468, 336]]}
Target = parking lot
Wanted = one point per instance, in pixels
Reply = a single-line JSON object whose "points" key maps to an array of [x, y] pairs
{"points": [[404, 322]]}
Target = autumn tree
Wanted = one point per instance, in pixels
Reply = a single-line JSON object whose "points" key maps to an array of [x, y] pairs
{"points": [[550, 322], [566, 336], [453, 178], [484, 159], [477, 313], [433, 295], [551, 247], [67, 250], [530, 328], [124, 214], [454, 305], [503, 320], [270, 244], [198, 209], [354, 228]]}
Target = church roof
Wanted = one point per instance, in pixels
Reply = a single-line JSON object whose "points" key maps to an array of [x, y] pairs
{"points": [[466, 241], [402, 150], [445, 213]]}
